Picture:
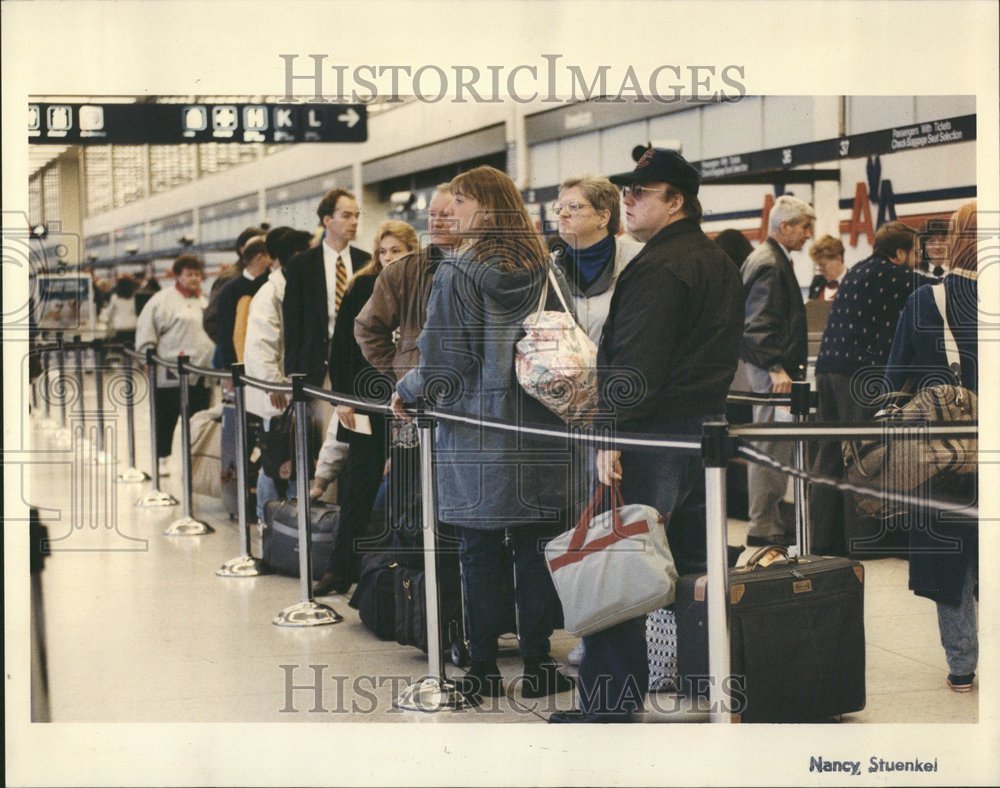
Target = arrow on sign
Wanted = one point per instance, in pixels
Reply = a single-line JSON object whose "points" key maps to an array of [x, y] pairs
{"points": [[351, 117]]}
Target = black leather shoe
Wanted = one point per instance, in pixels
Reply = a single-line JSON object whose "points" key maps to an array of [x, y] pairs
{"points": [[542, 678], [331, 584], [483, 679]]}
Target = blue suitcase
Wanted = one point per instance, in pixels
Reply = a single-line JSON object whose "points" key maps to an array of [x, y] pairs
{"points": [[281, 536]]}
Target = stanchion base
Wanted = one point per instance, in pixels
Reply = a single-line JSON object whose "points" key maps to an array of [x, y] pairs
{"points": [[188, 526], [244, 566], [133, 475], [430, 694], [157, 498], [307, 614]]}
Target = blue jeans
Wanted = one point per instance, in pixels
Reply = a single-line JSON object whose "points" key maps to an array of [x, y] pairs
{"points": [[483, 564], [614, 673], [268, 491], [957, 625]]}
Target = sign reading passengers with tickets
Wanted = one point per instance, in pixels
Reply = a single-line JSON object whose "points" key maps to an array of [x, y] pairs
{"points": [[65, 302]]}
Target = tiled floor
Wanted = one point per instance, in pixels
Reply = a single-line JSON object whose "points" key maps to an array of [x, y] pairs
{"points": [[139, 627]]}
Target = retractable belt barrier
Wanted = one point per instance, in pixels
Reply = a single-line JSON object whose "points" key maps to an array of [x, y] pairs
{"points": [[717, 445]]}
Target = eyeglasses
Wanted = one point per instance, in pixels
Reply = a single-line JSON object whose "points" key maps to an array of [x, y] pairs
{"points": [[635, 191], [573, 207]]}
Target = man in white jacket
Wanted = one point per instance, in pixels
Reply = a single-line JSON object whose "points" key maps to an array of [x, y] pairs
{"points": [[171, 324], [264, 359]]}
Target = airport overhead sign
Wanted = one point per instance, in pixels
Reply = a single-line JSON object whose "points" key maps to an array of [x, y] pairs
{"points": [[181, 124]]}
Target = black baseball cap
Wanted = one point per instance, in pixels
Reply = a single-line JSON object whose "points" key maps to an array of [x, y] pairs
{"points": [[658, 165]]}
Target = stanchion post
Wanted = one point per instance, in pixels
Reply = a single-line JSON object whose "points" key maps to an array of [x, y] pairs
{"points": [[63, 438], [154, 497], [433, 692], [101, 457], [45, 383], [800, 413], [34, 384], [78, 367], [716, 452], [61, 368], [245, 565], [307, 612], [130, 474], [153, 440], [187, 524]]}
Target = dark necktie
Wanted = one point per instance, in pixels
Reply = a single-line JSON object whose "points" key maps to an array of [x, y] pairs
{"points": [[341, 282]]}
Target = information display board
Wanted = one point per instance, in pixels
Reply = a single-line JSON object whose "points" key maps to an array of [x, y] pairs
{"points": [[179, 124]]}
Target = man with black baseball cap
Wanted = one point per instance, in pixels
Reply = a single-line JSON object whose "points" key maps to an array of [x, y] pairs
{"points": [[672, 335]]}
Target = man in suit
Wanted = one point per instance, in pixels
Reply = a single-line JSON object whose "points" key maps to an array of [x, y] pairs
{"points": [[773, 352], [828, 254], [316, 280]]}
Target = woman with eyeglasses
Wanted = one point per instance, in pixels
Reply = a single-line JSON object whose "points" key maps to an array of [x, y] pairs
{"points": [[591, 254], [488, 480]]}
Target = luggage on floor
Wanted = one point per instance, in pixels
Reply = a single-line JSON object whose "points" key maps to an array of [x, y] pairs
{"points": [[411, 604], [375, 595], [661, 639], [281, 536], [797, 636], [206, 450], [230, 493], [391, 593], [661, 646]]}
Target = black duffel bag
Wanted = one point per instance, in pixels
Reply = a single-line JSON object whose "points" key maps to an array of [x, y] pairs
{"points": [[281, 536], [375, 595]]}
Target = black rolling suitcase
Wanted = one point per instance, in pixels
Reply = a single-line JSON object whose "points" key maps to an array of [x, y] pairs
{"points": [[797, 637], [281, 536], [230, 494]]}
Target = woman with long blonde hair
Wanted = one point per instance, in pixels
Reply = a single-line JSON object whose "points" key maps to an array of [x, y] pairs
{"points": [[352, 375], [491, 481]]}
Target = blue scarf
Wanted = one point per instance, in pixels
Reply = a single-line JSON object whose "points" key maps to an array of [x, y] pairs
{"points": [[590, 262]]}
